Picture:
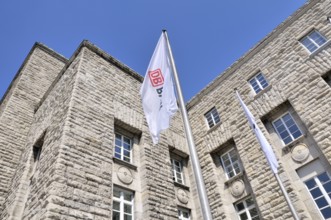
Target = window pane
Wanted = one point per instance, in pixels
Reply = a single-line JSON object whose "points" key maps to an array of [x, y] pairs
{"points": [[327, 187], [287, 140], [309, 45], [323, 177], [117, 193], [240, 206], [317, 37], [311, 184], [212, 117], [127, 196], [127, 217], [321, 202], [316, 193], [127, 153], [117, 150], [127, 146], [116, 215], [277, 123], [127, 209], [118, 142], [326, 212], [297, 134], [116, 206], [243, 216], [249, 202], [118, 137], [253, 212]]}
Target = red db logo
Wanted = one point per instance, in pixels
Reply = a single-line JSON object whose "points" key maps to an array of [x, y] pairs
{"points": [[156, 77]]}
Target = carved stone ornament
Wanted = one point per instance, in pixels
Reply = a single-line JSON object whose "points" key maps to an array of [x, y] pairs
{"points": [[300, 153], [124, 175], [237, 188], [182, 196]]}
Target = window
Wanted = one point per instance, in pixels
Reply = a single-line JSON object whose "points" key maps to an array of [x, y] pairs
{"points": [[327, 78], [183, 214], [313, 41], [122, 204], [258, 83], [230, 163], [246, 210], [316, 179], [36, 152], [177, 171], [123, 147], [212, 117], [286, 128], [319, 188]]}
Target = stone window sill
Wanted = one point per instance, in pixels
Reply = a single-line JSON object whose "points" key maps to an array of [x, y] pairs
{"points": [[320, 49], [124, 163], [213, 128], [266, 89], [182, 186], [236, 177], [288, 146]]}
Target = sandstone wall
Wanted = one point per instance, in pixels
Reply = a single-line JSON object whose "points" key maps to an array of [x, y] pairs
{"points": [[17, 108], [296, 84]]}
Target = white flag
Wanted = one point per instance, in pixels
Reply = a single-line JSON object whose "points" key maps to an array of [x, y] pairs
{"points": [[157, 91], [261, 138]]}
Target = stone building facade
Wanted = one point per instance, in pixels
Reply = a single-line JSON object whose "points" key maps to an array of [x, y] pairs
{"points": [[74, 143]]}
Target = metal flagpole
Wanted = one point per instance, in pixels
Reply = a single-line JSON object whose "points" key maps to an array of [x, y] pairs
{"points": [[287, 198], [269, 153], [189, 137]]}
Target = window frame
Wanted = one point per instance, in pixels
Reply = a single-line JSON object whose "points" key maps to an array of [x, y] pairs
{"points": [[123, 202], [258, 82], [287, 129], [213, 117], [180, 213], [174, 171], [246, 208], [231, 163], [321, 188], [312, 41], [122, 148]]}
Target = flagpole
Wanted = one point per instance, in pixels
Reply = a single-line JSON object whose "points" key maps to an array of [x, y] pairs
{"points": [[270, 155], [189, 137], [287, 198]]}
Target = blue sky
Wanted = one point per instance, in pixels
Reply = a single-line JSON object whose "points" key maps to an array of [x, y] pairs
{"points": [[206, 36]]}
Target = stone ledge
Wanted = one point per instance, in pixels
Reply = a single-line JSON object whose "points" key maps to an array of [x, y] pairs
{"points": [[126, 164], [182, 186]]}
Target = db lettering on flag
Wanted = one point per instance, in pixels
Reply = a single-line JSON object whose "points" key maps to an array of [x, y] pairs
{"points": [[156, 77]]}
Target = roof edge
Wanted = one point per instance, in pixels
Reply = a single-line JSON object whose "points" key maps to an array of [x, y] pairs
{"points": [[27, 58], [254, 50], [87, 44]]}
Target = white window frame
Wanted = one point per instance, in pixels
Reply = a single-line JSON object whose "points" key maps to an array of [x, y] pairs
{"points": [[322, 189], [308, 36], [179, 171], [123, 202], [258, 82], [122, 148], [181, 214], [214, 117], [246, 208], [286, 128], [232, 163]]}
